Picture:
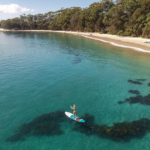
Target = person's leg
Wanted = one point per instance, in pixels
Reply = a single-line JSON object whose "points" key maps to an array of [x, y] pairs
{"points": [[73, 114]]}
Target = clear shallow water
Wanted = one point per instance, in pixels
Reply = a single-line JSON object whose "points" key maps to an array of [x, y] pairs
{"points": [[47, 72]]}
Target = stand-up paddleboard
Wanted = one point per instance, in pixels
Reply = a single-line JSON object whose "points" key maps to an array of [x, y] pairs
{"points": [[70, 115]]}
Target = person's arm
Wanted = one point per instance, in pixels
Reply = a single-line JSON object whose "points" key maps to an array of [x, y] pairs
{"points": [[71, 107]]}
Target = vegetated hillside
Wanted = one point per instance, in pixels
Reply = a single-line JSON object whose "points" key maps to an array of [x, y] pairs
{"points": [[123, 17]]}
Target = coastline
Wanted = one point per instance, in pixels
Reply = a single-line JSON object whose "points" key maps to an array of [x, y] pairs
{"points": [[135, 43]]}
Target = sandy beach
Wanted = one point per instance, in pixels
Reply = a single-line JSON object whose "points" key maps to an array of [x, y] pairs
{"points": [[135, 43]]}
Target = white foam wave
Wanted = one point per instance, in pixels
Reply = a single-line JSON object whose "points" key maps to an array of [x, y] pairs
{"points": [[112, 43]]}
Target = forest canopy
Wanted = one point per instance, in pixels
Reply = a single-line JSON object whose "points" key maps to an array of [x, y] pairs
{"points": [[122, 17]]}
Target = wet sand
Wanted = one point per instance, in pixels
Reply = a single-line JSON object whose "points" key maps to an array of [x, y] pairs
{"points": [[135, 43]]}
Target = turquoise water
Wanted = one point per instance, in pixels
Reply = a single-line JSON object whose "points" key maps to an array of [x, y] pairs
{"points": [[41, 73]]}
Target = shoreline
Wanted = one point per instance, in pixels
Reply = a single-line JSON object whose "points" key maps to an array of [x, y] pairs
{"points": [[134, 43]]}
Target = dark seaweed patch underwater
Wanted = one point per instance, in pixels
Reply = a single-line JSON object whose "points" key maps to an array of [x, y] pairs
{"points": [[71, 52], [145, 100], [135, 82], [49, 125], [134, 92], [140, 79], [46, 124], [76, 60]]}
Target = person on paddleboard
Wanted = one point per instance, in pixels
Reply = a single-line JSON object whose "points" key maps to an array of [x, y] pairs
{"points": [[74, 110]]}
